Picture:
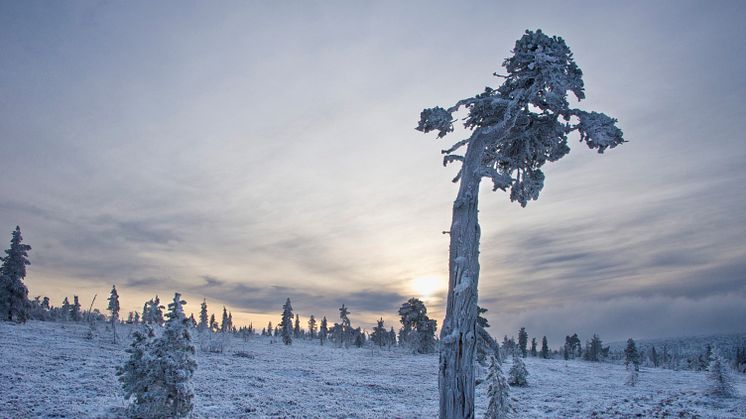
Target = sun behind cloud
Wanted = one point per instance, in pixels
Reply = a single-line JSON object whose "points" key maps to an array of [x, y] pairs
{"points": [[426, 286]]}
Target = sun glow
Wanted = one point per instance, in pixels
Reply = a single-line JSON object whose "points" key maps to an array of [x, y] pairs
{"points": [[426, 286]]}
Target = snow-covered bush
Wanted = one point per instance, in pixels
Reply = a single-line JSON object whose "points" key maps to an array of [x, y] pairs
{"points": [[518, 373]]}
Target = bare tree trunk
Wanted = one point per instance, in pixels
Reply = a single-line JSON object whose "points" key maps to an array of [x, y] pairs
{"points": [[458, 335]]}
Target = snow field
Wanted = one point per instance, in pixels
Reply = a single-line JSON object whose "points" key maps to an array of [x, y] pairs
{"points": [[52, 370]]}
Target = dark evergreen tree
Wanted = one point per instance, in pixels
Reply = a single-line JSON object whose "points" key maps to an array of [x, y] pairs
{"points": [[287, 323], [533, 347], [345, 331], [14, 302], [544, 348], [203, 317], [522, 341], [312, 327], [114, 310], [594, 350], [224, 324], [296, 327], [379, 335], [323, 331], [631, 356], [214, 327], [654, 357], [76, 313]]}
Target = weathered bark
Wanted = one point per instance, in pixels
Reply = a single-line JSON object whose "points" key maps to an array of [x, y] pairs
{"points": [[458, 335]]}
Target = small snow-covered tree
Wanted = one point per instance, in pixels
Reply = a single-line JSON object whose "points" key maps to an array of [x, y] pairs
{"points": [[287, 323], [270, 329], [114, 310], [323, 330], [159, 371], [518, 373], [14, 302], [544, 348], [214, 327], [418, 330], [498, 393], [296, 327], [133, 373], [721, 381], [156, 311], [515, 130]]}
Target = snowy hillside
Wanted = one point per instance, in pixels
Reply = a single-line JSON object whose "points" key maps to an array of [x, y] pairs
{"points": [[51, 369]]}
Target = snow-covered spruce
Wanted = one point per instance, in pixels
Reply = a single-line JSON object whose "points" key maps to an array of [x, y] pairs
{"points": [[516, 129], [632, 363], [286, 324], [159, 372], [113, 308], [721, 382], [518, 374], [498, 393], [13, 292]]}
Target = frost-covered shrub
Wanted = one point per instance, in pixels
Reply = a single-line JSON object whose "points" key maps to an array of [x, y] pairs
{"points": [[518, 373]]}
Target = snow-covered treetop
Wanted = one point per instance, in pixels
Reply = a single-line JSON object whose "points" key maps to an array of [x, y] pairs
{"points": [[525, 122]]}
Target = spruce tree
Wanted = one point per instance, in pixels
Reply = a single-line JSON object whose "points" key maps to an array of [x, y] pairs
{"points": [[323, 331], [632, 362], [134, 371], [287, 323], [380, 335], [213, 323], [721, 382], [522, 341], [533, 347], [224, 326], [114, 310], [498, 393], [345, 327], [296, 327], [156, 311], [312, 327], [13, 292], [203, 318], [418, 330], [631, 356], [269, 329], [544, 348], [518, 373], [77, 315]]}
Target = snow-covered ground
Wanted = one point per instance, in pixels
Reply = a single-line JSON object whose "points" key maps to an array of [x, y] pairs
{"points": [[52, 370]]}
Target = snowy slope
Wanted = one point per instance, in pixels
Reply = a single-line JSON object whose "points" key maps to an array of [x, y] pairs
{"points": [[50, 369]]}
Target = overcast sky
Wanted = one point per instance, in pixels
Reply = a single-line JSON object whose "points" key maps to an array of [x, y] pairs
{"points": [[251, 151]]}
